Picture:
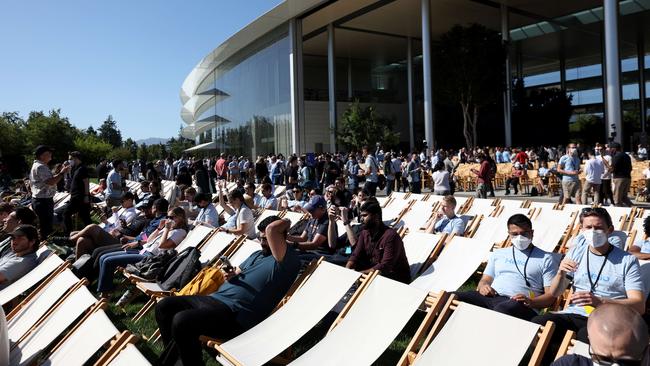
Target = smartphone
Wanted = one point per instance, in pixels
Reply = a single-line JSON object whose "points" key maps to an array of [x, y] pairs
{"points": [[227, 266]]}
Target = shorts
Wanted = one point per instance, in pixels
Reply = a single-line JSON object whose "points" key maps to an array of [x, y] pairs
{"points": [[570, 188]]}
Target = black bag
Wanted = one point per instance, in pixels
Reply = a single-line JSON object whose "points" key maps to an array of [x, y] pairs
{"points": [[381, 181], [83, 266], [151, 266], [181, 270], [533, 192]]}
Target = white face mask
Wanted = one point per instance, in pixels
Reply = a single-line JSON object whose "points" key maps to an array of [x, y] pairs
{"points": [[595, 238], [520, 242]]}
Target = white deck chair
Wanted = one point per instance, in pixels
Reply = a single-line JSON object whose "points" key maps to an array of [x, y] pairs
{"points": [[305, 308], [247, 248], [215, 245], [31, 279], [419, 249], [359, 338], [294, 217], [619, 215], [194, 237], [400, 196], [460, 203], [417, 196], [474, 327], [543, 205], [394, 209], [549, 227], [28, 314], [4, 339], [279, 191], [265, 213], [491, 230], [129, 356], [383, 200], [574, 207], [84, 341], [416, 217], [57, 321], [511, 203], [456, 263], [481, 206]]}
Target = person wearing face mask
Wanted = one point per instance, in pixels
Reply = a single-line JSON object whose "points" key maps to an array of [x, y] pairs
{"points": [[617, 335], [516, 280], [379, 247], [599, 273], [569, 167], [79, 193], [446, 221]]}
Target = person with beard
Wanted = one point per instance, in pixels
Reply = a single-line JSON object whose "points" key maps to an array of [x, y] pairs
{"points": [[248, 296], [516, 280], [379, 247]]}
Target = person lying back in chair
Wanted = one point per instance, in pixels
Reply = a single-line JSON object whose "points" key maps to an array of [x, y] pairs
{"points": [[446, 221], [516, 280], [249, 295]]}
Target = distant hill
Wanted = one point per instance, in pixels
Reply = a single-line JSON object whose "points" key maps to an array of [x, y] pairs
{"points": [[152, 141]]}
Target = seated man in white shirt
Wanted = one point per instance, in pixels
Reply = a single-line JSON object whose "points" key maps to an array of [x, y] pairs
{"points": [[207, 212], [516, 280], [598, 273], [446, 221]]}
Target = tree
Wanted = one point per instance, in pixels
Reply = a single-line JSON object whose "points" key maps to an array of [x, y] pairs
{"points": [[121, 153], [132, 146], [12, 138], [364, 126], [92, 148], [53, 130], [587, 129], [90, 131], [470, 63], [110, 133]]}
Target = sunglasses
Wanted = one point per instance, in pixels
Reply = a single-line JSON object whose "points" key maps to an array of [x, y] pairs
{"points": [[604, 360]]}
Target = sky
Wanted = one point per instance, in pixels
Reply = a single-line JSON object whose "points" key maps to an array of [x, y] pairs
{"points": [[93, 58]]}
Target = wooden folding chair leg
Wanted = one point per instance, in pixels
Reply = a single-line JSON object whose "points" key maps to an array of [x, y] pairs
{"points": [[145, 309]]}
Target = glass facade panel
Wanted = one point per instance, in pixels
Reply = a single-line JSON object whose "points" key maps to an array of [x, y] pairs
{"points": [[251, 109]]}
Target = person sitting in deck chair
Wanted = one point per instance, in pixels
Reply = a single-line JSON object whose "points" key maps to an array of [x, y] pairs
{"points": [[20, 257], [517, 280], [617, 336], [641, 248], [249, 295], [446, 221], [598, 273]]}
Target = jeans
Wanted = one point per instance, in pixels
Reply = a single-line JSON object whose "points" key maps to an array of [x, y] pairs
{"points": [[390, 184], [415, 187], [78, 206], [182, 319], [501, 304], [109, 262], [44, 209]]}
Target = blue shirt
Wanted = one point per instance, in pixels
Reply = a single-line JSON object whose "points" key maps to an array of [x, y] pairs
{"points": [[208, 215], [644, 245], [499, 157], [150, 228], [505, 157], [570, 163], [509, 278], [621, 273], [455, 225], [255, 292], [353, 171]]}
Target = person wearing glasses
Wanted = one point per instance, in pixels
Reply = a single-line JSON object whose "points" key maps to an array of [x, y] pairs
{"points": [[294, 203], [517, 280], [598, 273], [617, 335]]}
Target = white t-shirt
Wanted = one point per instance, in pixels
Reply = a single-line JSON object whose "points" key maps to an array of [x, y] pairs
{"points": [[606, 174], [175, 235], [245, 215], [594, 170], [441, 180], [115, 221]]}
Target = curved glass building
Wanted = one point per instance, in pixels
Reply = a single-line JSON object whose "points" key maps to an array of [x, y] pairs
{"points": [[282, 83]]}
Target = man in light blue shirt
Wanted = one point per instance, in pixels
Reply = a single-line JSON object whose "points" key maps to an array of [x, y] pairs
{"points": [[505, 156], [569, 167], [208, 213], [517, 280], [499, 156], [371, 170], [267, 199], [114, 185], [598, 274], [446, 220]]}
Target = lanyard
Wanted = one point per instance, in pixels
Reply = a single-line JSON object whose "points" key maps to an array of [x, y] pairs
{"points": [[600, 271], [525, 264]]}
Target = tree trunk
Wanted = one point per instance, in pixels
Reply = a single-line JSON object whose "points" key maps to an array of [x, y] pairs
{"points": [[474, 124], [467, 121]]}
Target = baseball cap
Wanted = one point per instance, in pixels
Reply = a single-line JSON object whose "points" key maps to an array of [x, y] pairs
{"points": [[27, 231], [40, 149], [314, 203]]}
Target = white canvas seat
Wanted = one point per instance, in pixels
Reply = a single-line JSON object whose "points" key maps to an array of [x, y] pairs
{"points": [[59, 319], [400, 196], [550, 227], [84, 341], [26, 315], [194, 237], [215, 245], [491, 230], [570, 346], [417, 196], [294, 217], [31, 279], [619, 215], [511, 203], [456, 263], [265, 213], [392, 212], [473, 327], [279, 191], [460, 203], [419, 247], [383, 201], [543, 205], [129, 356], [416, 217], [572, 207], [481, 206], [304, 309], [365, 332], [244, 251]]}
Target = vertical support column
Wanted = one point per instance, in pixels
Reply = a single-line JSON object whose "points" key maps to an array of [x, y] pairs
{"points": [[296, 80], [562, 57], [640, 48], [350, 93], [519, 61], [331, 82], [427, 73], [507, 93], [409, 78], [613, 70]]}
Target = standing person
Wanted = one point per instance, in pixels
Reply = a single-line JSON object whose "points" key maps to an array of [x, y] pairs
{"points": [[135, 171], [389, 173], [397, 169], [371, 172], [606, 195], [594, 170], [352, 172], [79, 193], [261, 170], [114, 185], [642, 152], [569, 167], [413, 174], [220, 167], [102, 169], [621, 169], [43, 185], [493, 172], [440, 178], [201, 177], [482, 176]]}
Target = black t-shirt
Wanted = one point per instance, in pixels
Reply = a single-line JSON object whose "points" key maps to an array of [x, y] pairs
{"points": [[77, 187], [621, 165], [314, 227], [572, 360], [261, 170]]}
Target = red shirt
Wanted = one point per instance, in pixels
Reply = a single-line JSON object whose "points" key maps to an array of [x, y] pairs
{"points": [[521, 157], [220, 167], [484, 172]]}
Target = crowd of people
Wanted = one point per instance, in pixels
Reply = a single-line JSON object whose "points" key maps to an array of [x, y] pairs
{"points": [[520, 280]]}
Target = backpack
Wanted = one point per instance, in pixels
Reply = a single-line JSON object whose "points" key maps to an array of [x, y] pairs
{"points": [[381, 181], [151, 266], [207, 281], [181, 270]]}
